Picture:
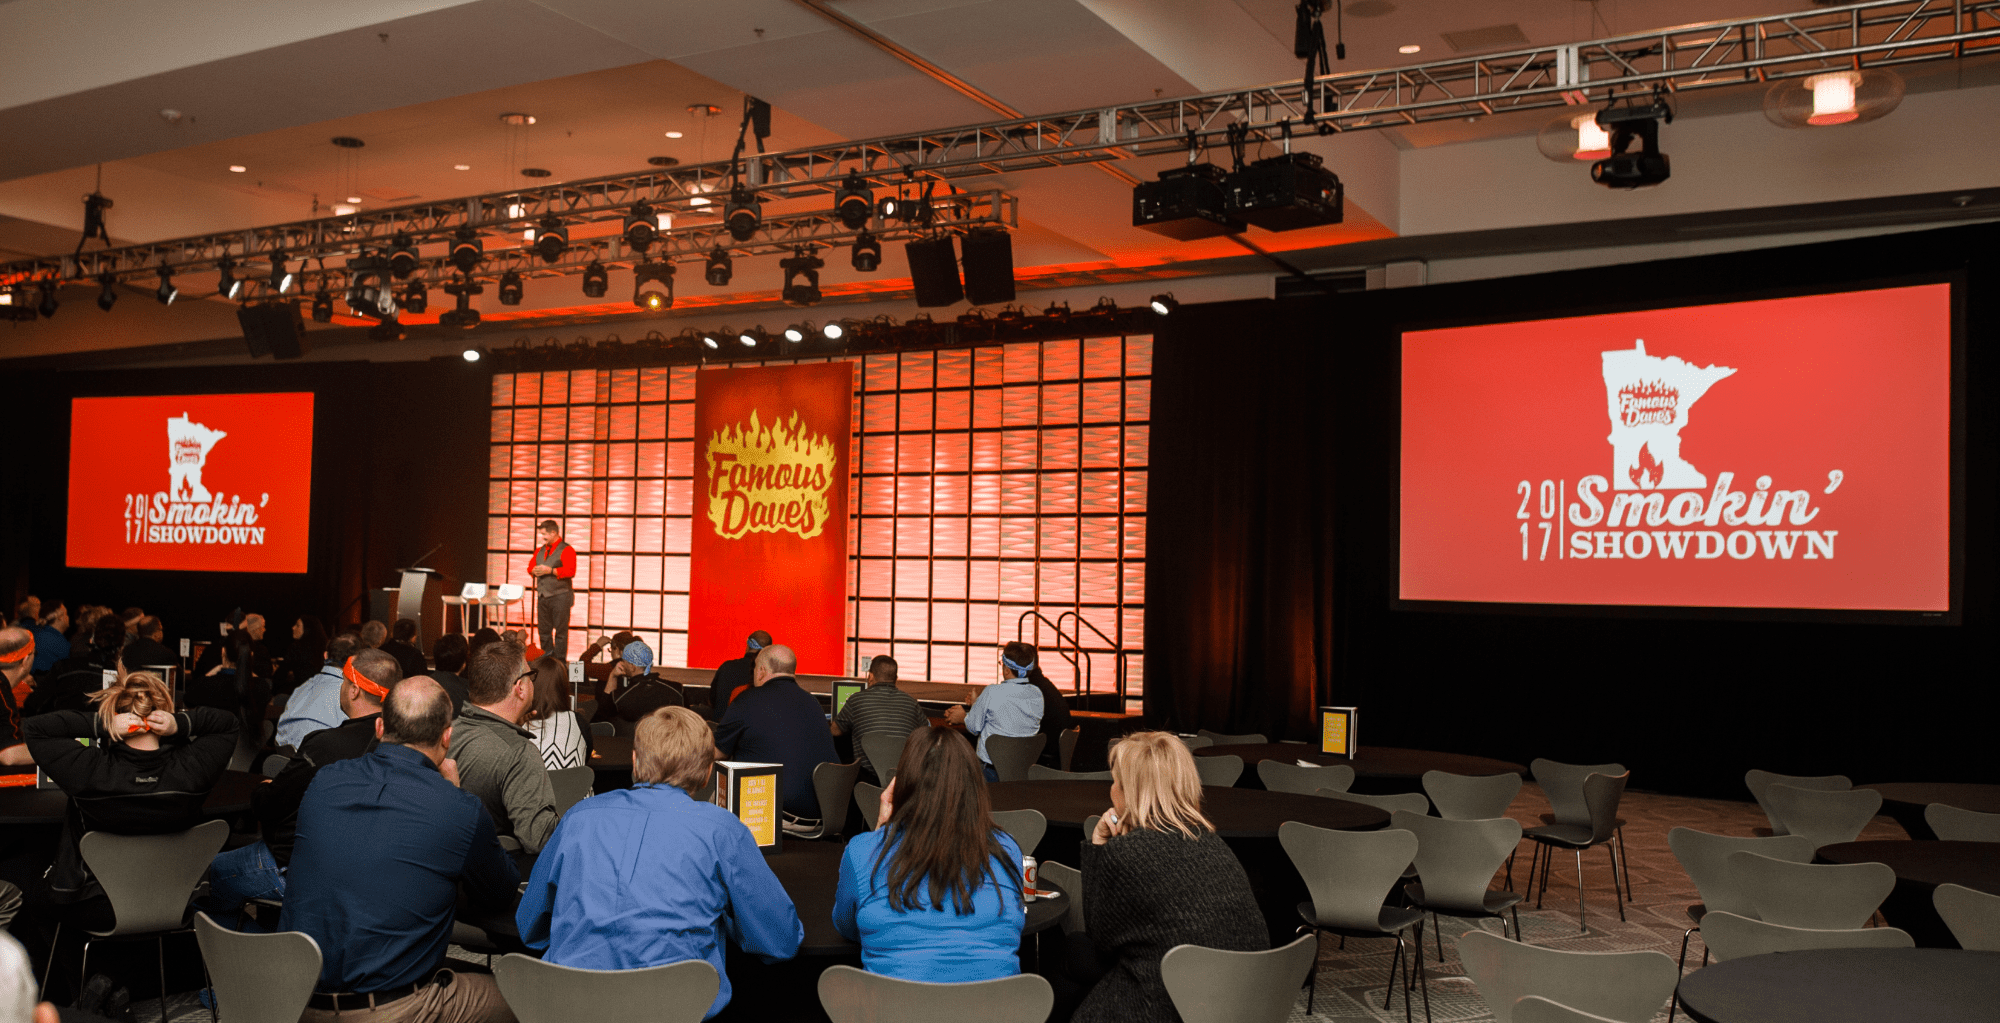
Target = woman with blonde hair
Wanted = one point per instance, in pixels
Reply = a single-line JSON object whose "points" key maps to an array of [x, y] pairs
{"points": [[1156, 875]]}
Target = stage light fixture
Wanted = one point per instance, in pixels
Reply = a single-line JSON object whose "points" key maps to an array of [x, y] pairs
{"points": [[1626, 125], [1057, 311], [226, 283], [416, 300], [322, 311], [403, 260], [107, 292], [463, 316], [854, 202], [467, 249], [719, 269], [802, 264], [166, 292], [48, 305], [17, 305], [867, 254], [1164, 303], [833, 331], [471, 355], [642, 226], [596, 280], [368, 290], [743, 214], [551, 239], [510, 288], [653, 288], [709, 341], [749, 338], [1833, 98], [796, 333]]}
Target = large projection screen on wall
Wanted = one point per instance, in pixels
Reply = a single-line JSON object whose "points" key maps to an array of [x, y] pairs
{"points": [[1787, 453]]}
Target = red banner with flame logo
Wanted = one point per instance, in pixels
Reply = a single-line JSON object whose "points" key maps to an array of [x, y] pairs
{"points": [[770, 512]]}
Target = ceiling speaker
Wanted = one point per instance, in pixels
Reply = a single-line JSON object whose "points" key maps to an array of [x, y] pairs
{"points": [[934, 271], [989, 267]]}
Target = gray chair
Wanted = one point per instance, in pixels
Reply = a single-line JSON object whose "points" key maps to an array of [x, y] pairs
{"points": [[1037, 772], [274, 764], [884, 751], [1973, 916], [1026, 826], [258, 978], [1283, 776], [1011, 754], [1821, 896], [834, 784], [1457, 861], [856, 996], [1729, 936], [1066, 746], [1705, 857], [541, 992], [1536, 1009], [869, 799], [1471, 797], [1090, 825], [603, 728], [1224, 739], [1562, 785], [1195, 742], [1070, 880], [1624, 986], [1350, 874], [1211, 985], [571, 785], [1952, 824], [1221, 771], [1601, 793], [1759, 781], [148, 879], [1826, 817], [1409, 802]]}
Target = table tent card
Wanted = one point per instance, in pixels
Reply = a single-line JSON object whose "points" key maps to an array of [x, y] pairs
{"points": [[752, 793], [1337, 731]]}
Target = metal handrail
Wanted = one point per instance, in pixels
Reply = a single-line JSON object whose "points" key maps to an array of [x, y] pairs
{"points": [[1117, 653], [1075, 672]]}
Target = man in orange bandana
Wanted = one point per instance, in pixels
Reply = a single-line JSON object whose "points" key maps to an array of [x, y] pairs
{"points": [[17, 660]]}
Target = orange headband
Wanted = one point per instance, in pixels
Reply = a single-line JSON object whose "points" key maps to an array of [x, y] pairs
{"points": [[20, 655], [363, 682]]}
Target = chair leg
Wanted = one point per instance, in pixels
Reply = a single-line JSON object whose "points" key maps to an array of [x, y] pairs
{"points": [[1674, 1003], [1423, 981], [1583, 928], [1390, 991], [1612, 849], [1517, 925], [160, 945], [1625, 864], [1312, 973], [1510, 870], [1437, 932], [49, 970]]}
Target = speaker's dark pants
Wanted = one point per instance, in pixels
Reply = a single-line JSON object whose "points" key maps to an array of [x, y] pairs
{"points": [[552, 622]]}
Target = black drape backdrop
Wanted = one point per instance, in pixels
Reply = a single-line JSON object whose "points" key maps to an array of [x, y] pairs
{"points": [[1272, 556]]}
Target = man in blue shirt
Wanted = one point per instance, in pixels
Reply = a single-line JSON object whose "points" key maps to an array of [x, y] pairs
{"points": [[776, 722], [647, 876], [315, 704], [1014, 707], [50, 643], [384, 842]]}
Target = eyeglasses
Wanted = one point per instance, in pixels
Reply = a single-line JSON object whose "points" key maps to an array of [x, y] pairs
{"points": [[525, 676]]}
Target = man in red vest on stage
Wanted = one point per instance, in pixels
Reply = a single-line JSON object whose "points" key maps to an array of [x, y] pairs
{"points": [[553, 565]]}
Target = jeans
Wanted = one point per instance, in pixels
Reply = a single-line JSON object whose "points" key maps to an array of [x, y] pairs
{"points": [[237, 876], [991, 774], [552, 622]]}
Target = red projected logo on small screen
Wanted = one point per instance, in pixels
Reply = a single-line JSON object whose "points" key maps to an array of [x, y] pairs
{"points": [[1788, 453], [198, 483]]}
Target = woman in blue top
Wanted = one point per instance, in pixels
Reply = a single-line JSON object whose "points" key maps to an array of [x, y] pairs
{"points": [[934, 893]]}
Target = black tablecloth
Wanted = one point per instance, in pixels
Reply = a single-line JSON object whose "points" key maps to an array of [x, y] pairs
{"points": [[45, 806], [1904, 801], [1397, 770], [810, 872], [1920, 867], [1847, 985], [611, 752], [1237, 813]]}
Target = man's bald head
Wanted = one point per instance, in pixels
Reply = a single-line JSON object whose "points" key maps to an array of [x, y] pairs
{"points": [[13, 641], [417, 713], [778, 659]]}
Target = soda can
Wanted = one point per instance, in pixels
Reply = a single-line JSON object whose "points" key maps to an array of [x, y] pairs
{"points": [[1027, 877]]}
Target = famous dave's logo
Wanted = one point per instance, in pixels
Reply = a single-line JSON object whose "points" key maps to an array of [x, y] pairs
{"points": [[768, 478], [186, 512]]}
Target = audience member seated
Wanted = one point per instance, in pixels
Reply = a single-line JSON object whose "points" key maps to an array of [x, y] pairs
{"points": [[450, 653], [519, 637], [631, 691], [50, 643], [733, 676], [17, 659], [28, 612], [703, 877], [147, 647], [497, 759], [304, 656], [1055, 709], [74, 680], [879, 708], [934, 892], [386, 843], [84, 624], [1014, 707], [608, 647], [1156, 875], [776, 722], [256, 871], [558, 733], [402, 645], [479, 639], [233, 684], [374, 634], [315, 704]]}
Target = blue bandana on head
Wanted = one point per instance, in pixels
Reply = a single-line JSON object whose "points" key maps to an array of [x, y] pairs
{"points": [[637, 653], [1019, 670], [754, 645]]}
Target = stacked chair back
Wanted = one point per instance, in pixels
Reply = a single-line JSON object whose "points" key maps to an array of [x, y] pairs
{"points": [[869, 799], [1625, 986], [1758, 781], [1211, 985], [1280, 776], [1066, 746], [571, 784], [1825, 896], [1410, 802], [856, 996], [1973, 916], [149, 878], [1563, 785], [1601, 796], [542, 992], [1825, 817], [1013, 753], [1349, 873], [834, 785], [1221, 771], [1536, 1009], [1729, 936], [1025, 826], [1467, 797], [1225, 739], [258, 978], [274, 764], [884, 751], [1037, 772], [1457, 859], [1952, 824], [1070, 880], [1197, 741], [1705, 857]]}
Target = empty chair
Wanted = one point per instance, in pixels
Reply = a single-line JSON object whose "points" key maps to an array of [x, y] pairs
{"points": [[1729, 936], [884, 750], [1457, 861], [603, 729], [1973, 916], [1471, 797], [1026, 826], [1212, 985], [834, 785], [1283, 776], [1070, 880], [274, 764], [1066, 746], [258, 978], [149, 879], [1759, 781], [1952, 824], [1625, 986], [571, 784], [869, 799], [1037, 772], [540, 992], [1350, 875], [1826, 817], [1195, 742], [1601, 793], [1013, 753], [1822, 896], [1562, 785], [1705, 857], [1408, 802], [1221, 771], [1224, 739], [855, 996], [1536, 1009]]}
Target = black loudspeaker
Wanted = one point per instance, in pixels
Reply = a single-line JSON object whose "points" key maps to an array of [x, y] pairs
{"points": [[934, 271], [989, 267], [275, 329]]}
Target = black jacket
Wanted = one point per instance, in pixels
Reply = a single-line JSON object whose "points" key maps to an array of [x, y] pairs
{"points": [[1055, 719], [113, 787], [638, 696], [408, 657], [277, 804], [728, 677]]}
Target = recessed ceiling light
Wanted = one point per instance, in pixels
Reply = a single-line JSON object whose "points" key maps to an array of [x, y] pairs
{"points": [[354, 199], [675, 134], [698, 201], [342, 210], [518, 120], [461, 166], [237, 168], [1412, 48]]}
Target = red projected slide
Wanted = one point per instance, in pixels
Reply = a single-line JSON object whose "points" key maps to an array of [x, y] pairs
{"points": [[194, 482], [1786, 453]]}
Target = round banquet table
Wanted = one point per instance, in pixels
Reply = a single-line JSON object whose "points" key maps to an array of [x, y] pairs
{"points": [[1388, 768], [1904, 801], [611, 752], [1847, 985], [1920, 867], [29, 805], [1237, 813], [810, 872]]}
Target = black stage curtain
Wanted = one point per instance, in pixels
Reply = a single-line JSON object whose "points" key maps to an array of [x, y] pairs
{"points": [[1271, 565]]}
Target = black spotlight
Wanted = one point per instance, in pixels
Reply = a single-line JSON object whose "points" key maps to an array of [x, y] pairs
{"points": [[107, 292], [719, 268], [749, 338], [467, 249], [17, 306], [802, 264], [282, 278], [463, 316], [596, 280], [743, 214], [1648, 166], [166, 292], [709, 341], [867, 253], [1057, 311], [854, 203], [510, 288], [833, 331], [322, 304], [642, 226], [653, 286], [551, 239], [797, 332], [226, 283], [48, 305], [368, 290], [415, 299], [1165, 303], [402, 256]]}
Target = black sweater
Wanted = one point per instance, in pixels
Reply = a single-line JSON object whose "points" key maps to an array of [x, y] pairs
{"points": [[277, 804], [113, 787], [1145, 892]]}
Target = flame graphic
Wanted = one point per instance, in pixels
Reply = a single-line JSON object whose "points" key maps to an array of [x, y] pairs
{"points": [[769, 478], [1648, 472]]}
